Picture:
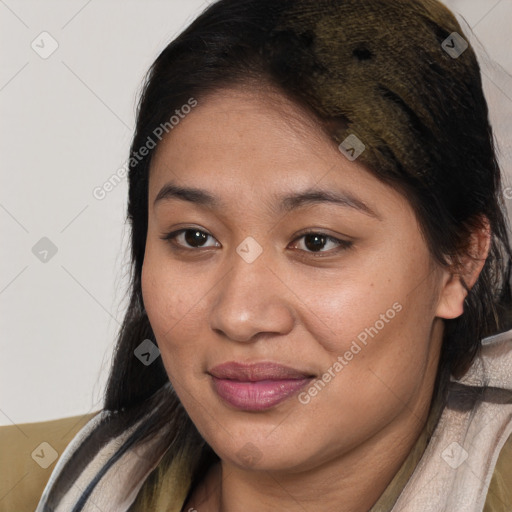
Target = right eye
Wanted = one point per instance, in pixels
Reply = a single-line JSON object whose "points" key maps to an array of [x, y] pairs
{"points": [[195, 238]]}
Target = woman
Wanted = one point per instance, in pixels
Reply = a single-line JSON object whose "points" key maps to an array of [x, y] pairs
{"points": [[319, 249]]}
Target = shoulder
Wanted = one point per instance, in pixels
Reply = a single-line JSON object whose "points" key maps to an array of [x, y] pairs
{"points": [[499, 496], [495, 371], [468, 459], [29, 454], [492, 367]]}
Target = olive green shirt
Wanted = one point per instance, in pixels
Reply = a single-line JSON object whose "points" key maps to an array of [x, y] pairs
{"points": [[23, 474]]}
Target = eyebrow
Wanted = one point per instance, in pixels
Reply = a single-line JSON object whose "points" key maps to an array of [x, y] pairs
{"points": [[286, 202]]}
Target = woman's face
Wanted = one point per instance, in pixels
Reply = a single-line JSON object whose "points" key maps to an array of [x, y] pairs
{"points": [[351, 308]]}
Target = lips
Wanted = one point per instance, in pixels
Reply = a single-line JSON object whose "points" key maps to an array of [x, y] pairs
{"points": [[257, 387]]}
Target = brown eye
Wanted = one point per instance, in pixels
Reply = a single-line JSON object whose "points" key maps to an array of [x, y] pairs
{"points": [[189, 238], [193, 237], [314, 242]]}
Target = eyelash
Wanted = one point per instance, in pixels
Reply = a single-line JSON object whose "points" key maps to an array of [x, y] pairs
{"points": [[342, 244]]}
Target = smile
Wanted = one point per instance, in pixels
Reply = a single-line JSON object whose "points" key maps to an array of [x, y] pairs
{"points": [[256, 387]]}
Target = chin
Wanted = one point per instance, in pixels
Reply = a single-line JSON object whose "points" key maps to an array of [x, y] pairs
{"points": [[259, 453]]}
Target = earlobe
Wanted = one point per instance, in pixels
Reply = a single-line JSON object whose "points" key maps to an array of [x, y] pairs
{"points": [[456, 284], [451, 302]]}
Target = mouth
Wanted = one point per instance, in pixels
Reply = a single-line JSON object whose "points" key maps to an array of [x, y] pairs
{"points": [[257, 387]]}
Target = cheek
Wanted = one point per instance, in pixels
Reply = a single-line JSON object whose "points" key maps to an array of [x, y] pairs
{"points": [[382, 343], [168, 292], [159, 301], [376, 324], [382, 293], [175, 304], [163, 298]]}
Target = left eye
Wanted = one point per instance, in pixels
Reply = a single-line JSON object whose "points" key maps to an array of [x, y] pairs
{"points": [[314, 242], [195, 239]]}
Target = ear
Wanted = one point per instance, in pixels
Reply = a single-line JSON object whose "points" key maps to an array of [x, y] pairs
{"points": [[456, 280]]}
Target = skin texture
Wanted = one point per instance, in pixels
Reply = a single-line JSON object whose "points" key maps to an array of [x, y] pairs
{"points": [[208, 306]]}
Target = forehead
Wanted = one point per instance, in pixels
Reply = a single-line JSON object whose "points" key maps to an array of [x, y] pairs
{"points": [[246, 134], [251, 148], [248, 118]]}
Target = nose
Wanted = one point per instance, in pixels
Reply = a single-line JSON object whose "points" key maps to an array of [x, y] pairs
{"points": [[251, 300]]}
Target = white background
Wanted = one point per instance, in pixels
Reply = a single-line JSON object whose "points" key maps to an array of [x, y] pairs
{"points": [[66, 127]]}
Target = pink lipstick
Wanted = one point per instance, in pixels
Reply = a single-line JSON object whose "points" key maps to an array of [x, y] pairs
{"points": [[256, 387]]}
